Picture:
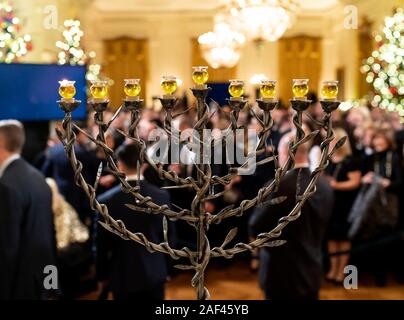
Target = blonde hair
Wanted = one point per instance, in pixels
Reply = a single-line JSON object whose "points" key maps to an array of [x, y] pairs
{"points": [[68, 227], [364, 113], [345, 150]]}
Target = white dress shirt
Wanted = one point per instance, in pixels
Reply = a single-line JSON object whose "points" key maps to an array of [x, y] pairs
{"points": [[134, 177], [301, 165]]}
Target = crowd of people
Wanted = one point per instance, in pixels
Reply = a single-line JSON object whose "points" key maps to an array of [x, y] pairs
{"points": [[355, 215]]}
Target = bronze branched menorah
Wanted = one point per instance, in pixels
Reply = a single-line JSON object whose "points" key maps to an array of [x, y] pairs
{"points": [[197, 216]]}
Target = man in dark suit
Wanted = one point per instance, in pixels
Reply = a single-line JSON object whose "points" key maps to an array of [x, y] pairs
{"points": [[57, 166], [126, 267], [293, 270], [27, 239]]}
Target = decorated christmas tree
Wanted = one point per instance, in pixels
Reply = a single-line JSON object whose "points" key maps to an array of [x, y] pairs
{"points": [[12, 45], [385, 67], [71, 51]]}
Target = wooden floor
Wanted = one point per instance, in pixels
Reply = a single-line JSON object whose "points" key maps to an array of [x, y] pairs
{"points": [[237, 282]]}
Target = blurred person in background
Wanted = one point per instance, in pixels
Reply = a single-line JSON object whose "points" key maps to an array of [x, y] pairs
{"points": [[27, 239], [77, 260], [366, 141], [283, 124], [71, 239], [357, 120], [293, 270], [315, 149], [113, 139], [315, 111], [57, 166], [344, 177], [383, 168], [125, 267], [399, 137]]}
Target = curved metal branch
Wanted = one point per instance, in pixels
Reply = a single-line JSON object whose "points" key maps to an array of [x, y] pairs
{"points": [[264, 192], [263, 239], [134, 136], [68, 137], [152, 208], [266, 124], [198, 217]]}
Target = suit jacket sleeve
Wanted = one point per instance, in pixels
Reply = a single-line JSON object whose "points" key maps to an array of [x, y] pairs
{"points": [[264, 219], [10, 220], [102, 249], [102, 244], [47, 167], [396, 178]]}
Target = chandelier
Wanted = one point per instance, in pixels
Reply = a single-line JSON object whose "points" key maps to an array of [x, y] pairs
{"points": [[262, 20], [221, 48], [256, 20]]}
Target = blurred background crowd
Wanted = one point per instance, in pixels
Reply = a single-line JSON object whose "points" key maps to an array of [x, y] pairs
{"points": [[354, 218]]}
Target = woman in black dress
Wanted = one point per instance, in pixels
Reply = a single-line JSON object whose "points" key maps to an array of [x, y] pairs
{"points": [[383, 167], [344, 177]]}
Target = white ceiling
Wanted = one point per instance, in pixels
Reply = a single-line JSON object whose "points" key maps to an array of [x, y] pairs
{"points": [[191, 5]]}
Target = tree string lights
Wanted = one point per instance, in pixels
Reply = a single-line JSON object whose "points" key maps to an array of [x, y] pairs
{"points": [[385, 67], [12, 46], [71, 51]]}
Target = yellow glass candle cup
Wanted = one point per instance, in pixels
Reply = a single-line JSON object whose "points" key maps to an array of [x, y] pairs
{"points": [[132, 87], [236, 88], [300, 88], [99, 89], [200, 75], [329, 90], [169, 84], [268, 89], [67, 89]]}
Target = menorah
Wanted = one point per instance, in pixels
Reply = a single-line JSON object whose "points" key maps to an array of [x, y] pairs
{"points": [[204, 182]]}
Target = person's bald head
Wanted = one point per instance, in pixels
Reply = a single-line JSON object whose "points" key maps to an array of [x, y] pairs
{"points": [[12, 136], [302, 152]]}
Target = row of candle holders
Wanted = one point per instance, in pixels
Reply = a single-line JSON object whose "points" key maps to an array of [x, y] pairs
{"points": [[200, 75]]}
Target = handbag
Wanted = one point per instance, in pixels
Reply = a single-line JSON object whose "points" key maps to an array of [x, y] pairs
{"points": [[360, 208], [375, 211]]}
